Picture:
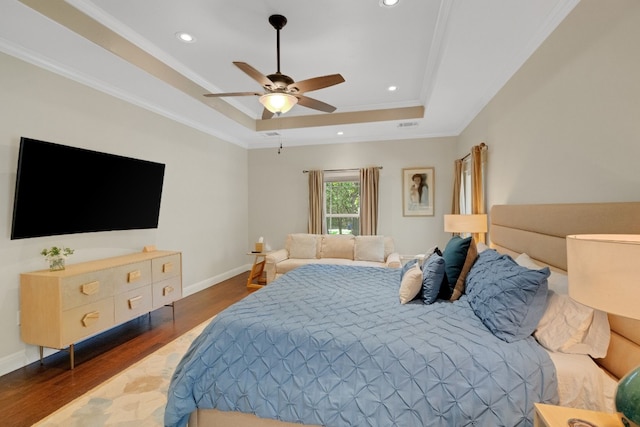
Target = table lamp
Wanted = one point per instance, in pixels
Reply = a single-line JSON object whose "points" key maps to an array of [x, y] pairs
{"points": [[474, 223], [604, 273]]}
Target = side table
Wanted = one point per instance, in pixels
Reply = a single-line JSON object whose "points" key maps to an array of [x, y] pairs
{"points": [[556, 416], [255, 280]]}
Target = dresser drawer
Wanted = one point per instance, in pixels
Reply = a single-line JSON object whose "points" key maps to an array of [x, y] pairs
{"points": [[132, 304], [89, 319], [166, 267], [167, 291], [85, 288], [131, 276]]}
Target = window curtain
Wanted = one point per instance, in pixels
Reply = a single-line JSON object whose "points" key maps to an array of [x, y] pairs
{"points": [[369, 178], [316, 209], [457, 183], [478, 163]]}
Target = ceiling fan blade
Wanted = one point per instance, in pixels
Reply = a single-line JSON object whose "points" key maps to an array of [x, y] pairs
{"points": [[216, 95], [315, 83], [305, 101], [254, 74], [266, 114]]}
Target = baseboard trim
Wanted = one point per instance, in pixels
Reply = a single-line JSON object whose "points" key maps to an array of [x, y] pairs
{"points": [[212, 281]]}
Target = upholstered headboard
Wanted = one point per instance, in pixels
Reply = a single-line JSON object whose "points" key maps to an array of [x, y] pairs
{"points": [[540, 230]]}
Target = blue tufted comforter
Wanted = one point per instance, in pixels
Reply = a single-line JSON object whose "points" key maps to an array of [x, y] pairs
{"points": [[332, 345]]}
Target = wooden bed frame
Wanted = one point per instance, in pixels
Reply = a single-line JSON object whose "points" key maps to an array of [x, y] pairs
{"points": [[539, 231]]}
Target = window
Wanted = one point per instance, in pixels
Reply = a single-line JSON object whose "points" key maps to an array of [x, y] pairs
{"points": [[465, 187], [342, 202]]}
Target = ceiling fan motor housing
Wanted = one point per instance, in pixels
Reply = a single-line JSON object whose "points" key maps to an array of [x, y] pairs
{"points": [[277, 21]]}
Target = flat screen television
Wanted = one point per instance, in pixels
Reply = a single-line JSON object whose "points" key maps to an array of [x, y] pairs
{"points": [[66, 190]]}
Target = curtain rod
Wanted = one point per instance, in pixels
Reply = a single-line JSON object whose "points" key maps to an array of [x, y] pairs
{"points": [[341, 170], [482, 145]]}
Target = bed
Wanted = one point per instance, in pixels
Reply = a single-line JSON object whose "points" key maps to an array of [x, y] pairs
{"points": [[332, 345]]}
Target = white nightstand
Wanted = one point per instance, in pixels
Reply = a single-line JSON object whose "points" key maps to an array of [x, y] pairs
{"points": [[559, 416]]}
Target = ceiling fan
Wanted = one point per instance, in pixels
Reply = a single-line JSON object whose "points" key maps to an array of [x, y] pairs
{"points": [[281, 91]]}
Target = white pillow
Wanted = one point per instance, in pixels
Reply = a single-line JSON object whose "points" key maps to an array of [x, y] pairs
{"points": [[583, 384], [481, 247], [369, 248], [570, 327], [558, 282], [303, 246], [411, 284]]}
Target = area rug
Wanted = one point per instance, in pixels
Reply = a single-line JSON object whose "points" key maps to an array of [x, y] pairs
{"points": [[135, 397]]}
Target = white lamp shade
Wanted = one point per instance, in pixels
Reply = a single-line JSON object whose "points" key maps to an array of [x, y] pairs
{"points": [[278, 103], [476, 223], [604, 272]]}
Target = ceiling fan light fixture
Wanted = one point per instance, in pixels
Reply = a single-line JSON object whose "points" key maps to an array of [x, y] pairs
{"points": [[278, 103], [389, 3]]}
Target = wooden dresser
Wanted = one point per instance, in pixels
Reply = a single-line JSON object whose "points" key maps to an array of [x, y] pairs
{"points": [[60, 308]]}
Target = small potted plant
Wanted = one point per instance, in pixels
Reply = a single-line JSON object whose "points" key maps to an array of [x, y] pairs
{"points": [[56, 257]]}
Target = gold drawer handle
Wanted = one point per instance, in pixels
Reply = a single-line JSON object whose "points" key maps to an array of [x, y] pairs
{"points": [[133, 276], [167, 267], [167, 290], [90, 288], [90, 318], [135, 301]]}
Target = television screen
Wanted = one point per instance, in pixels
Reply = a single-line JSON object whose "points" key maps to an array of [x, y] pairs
{"points": [[66, 190]]}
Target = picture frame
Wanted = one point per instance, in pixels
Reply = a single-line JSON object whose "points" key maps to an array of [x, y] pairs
{"points": [[418, 189]]}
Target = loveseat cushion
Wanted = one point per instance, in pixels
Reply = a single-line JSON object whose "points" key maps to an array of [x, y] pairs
{"points": [[369, 248], [303, 245], [337, 246]]}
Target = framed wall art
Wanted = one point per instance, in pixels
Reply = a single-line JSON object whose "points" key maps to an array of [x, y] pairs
{"points": [[417, 191]]}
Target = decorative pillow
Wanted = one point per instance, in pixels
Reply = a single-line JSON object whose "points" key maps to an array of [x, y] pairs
{"points": [[337, 246], [432, 276], [411, 283], [301, 245], [407, 266], [389, 246], [558, 282], [570, 327], [459, 256], [508, 298], [369, 248], [470, 259]]}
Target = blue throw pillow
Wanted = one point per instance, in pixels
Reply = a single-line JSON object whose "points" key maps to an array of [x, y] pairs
{"points": [[455, 255], [509, 299], [432, 276], [407, 267]]}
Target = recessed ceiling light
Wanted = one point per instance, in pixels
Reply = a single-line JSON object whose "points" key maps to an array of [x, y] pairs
{"points": [[389, 3], [392, 88], [340, 133], [185, 37]]}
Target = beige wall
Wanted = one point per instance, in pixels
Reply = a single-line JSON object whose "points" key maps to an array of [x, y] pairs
{"points": [[566, 127], [202, 214], [278, 190]]}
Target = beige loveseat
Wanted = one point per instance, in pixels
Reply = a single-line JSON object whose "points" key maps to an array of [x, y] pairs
{"points": [[345, 249]]}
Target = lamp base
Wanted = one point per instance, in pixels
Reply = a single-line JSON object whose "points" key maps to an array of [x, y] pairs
{"points": [[628, 398]]}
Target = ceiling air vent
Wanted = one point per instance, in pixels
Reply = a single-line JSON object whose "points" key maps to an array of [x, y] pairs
{"points": [[407, 124], [271, 134]]}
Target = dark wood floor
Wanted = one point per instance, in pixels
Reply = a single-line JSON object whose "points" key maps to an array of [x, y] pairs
{"points": [[29, 394]]}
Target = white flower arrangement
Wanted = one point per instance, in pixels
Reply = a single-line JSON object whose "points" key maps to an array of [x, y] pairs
{"points": [[56, 252]]}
